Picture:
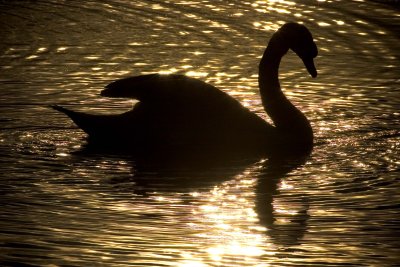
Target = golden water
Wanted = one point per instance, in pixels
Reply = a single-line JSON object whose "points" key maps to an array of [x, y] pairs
{"points": [[59, 207]]}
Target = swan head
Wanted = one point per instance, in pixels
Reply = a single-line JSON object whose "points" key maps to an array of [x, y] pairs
{"points": [[299, 39]]}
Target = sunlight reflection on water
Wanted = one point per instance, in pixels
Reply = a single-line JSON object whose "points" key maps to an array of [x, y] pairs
{"points": [[64, 207]]}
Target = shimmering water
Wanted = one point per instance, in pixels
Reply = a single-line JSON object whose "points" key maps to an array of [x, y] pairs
{"points": [[62, 207]]}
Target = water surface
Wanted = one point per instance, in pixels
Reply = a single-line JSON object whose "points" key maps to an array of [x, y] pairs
{"points": [[63, 207]]}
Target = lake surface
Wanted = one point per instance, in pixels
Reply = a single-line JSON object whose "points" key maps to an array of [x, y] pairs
{"points": [[62, 206]]}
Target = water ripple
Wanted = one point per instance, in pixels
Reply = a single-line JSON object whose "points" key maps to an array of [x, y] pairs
{"points": [[62, 206]]}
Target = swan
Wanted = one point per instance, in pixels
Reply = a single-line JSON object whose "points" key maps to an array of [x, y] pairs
{"points": [[175, 111]]}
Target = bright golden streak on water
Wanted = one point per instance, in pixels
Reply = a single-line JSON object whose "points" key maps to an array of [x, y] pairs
{"points": [[186, 66], [279, 10], [226, 230], [32, 57], [169, 71], [324, 24], [339, 22], [233, 248], [198, 53], [285, 211], [269, 26], [284, 186], [136, 44], [196, 74], [141, 64], [61, 49], [256, 24], [157, 7], [92, 57], [191, 263]]}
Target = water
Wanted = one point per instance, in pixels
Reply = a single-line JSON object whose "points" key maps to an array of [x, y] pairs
{"points": [[62, 207]]}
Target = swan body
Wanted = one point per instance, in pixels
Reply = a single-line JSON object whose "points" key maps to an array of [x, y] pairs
{"points": [[175, 111]]}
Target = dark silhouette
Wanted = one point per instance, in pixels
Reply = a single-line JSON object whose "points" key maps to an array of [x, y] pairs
{"points": [[178, 113], [291, 233]]}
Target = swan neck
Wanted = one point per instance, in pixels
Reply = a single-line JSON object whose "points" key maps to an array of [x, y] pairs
{"points": [[288, 120], [268, 76], [269, 71]]}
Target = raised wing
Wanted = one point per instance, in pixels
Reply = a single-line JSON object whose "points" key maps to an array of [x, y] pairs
{"points": [[181, 100], [157, 87]]}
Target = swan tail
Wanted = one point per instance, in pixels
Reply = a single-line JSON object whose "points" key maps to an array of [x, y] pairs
{"points": [[87, 122], [102, 130], [61, 109], [75, 116]]}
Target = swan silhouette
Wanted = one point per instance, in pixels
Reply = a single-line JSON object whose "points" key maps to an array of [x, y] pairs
{"points": [[175, 111]]}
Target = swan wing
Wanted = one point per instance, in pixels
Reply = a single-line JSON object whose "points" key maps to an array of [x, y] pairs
{"points": [[177, 104], [158, 88]]}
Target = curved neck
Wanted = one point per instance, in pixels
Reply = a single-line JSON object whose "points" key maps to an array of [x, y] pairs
{"points": [[268, 80], [288, 120]]}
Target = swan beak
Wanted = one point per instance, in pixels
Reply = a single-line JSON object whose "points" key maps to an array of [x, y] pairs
{"points": [[309, 63]]}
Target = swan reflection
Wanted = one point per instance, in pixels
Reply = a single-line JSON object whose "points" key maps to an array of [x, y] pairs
{"points": [[231, 208]]}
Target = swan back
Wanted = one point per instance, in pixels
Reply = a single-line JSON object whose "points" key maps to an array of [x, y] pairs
{"points": [[158, 87]]}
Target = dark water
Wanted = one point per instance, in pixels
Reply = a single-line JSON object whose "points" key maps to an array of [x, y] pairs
{"points": [[60, 207]]}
